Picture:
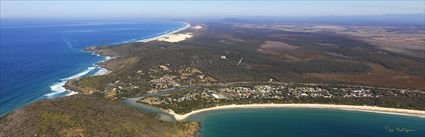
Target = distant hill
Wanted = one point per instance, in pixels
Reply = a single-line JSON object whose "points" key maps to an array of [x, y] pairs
{"points": [[82, 115]]}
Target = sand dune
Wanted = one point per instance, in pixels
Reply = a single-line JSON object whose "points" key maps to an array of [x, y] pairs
{"points": [[176, 37]]}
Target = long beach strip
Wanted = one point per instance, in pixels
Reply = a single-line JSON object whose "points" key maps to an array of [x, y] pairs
{"points": [[187, 25], [395, 111]]}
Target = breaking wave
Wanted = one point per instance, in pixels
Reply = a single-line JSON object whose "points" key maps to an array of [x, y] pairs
{"points": [[58, 88]]}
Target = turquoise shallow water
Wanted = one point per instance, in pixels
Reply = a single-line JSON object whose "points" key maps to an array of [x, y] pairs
{"points": [[295, 122], [298, 122]]}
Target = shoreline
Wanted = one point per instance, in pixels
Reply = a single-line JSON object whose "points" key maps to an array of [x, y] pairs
{"points": [[102, 70], [373, 109], [59, 86], [187, 25], [58, 89]]}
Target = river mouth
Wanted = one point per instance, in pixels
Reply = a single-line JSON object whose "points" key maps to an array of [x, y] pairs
{"points": [[161, 114]]}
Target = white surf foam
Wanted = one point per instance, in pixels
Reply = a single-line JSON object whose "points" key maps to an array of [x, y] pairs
{"points": [[70, 92], [80, 74], [102, 71], [107, 58], [58, 87]]}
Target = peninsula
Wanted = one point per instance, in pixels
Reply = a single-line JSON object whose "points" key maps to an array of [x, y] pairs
{"points": [[213, 64], [229, 64]]}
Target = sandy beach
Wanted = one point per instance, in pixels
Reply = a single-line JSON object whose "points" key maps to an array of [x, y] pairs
{"points": [[168, 35], [394, 111]]}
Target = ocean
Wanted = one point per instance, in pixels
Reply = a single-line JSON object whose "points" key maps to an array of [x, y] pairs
{"points": [[306, 122], [38, 55]]}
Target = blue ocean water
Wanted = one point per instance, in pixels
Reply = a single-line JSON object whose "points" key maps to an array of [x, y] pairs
{"points": [[39, 55], [297, 122]]}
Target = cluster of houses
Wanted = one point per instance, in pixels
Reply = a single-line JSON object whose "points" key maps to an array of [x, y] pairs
{"points": [[278, 92], [185, 76], [361, 93], [255, 92], [165, 82]]}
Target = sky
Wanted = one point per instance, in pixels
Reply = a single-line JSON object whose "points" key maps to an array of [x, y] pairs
{"points": [[110, 8]]}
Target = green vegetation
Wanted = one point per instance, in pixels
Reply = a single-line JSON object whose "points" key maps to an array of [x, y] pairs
{"points": [[319, 57], [219, 55], [319, 52], [82, 115]]}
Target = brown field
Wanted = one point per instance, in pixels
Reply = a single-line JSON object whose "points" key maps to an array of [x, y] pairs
{"points": [[411, 43], [379, 76], [287, 51], [407, 44], [225, 42], [279, 49], [258, 66], [276, 45], [312, 55]]}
